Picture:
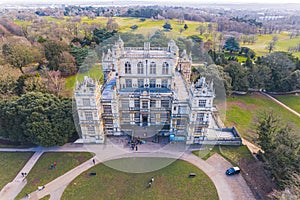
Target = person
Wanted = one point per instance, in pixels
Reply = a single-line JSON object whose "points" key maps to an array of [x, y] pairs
{"points": [[149, 185], [54, 164], [94, 161], [136, 147], [152, 179]]}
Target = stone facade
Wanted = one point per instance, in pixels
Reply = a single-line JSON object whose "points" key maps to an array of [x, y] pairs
{"points": [[146, 88]]}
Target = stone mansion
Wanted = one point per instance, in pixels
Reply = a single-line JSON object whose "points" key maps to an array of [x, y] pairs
{"points": [[147, 93]]}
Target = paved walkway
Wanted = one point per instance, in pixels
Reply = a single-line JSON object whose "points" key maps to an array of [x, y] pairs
{"points": [[214, 167], [12, 189], [281, 104], [223, 183]]}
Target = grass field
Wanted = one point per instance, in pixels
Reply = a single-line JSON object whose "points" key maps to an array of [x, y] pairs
{"points": [[242, 112], [283, 43], [10, 165], [171, 182], [70, 82], [231, 153], [293, 101], [148, 27], [41, 173]]}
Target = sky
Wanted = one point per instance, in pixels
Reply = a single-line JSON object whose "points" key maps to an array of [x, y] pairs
{"points": [[146, 1]]}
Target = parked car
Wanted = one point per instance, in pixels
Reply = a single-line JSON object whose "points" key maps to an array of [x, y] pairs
{"points": [[233, 170]]}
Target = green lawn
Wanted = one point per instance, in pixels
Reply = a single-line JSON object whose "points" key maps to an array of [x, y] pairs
{"points": [[171, 182], [283, 43], [242, 112], [207, 152], [293, 101], [231, 153], [94, 72], [150, 26], [10, 165], [41, 173]]}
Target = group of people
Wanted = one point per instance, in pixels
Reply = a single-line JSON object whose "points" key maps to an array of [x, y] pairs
{"points": [[53, 165], [24, 174], [135, 142]]}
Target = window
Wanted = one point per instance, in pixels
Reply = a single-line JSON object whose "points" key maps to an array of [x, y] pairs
{"points": [[164, 116], [202, 103], [88, 115], [198, 129], [140, 83], [125, 115], [152, 68], [164, 84], [165, 103], [107, 109], [152, 83], [125, 104], [91, 129], [127, 68], [86, 102], [140, 68], [165, 68], [153, 103], [137, 116], [137, 104], [180, 122], [153, 117], [145, 104], [108, 122], [128, 83], [200, 117], [182, 109]]}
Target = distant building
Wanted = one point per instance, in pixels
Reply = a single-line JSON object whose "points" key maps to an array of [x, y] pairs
{"points": [[146, 88]]}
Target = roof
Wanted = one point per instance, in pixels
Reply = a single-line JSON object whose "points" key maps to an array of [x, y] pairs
{"points": [[236, 168]]}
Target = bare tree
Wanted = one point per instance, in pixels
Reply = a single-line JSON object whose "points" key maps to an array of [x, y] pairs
{"points": [[201, 28], [270, 46], [54, 81]]}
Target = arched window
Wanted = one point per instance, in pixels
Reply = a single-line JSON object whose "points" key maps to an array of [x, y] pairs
{"points": [[140, 68], [152, 68], [165, 68], [127, 68]]}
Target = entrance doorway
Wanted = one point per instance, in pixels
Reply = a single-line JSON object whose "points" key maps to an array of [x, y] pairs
{"points": [[145, 120]]}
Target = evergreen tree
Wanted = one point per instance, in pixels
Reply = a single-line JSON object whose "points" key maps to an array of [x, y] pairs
{"points": [[232, 45]]}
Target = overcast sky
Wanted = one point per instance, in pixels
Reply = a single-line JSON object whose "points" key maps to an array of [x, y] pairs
{"points": [[147, 1]]}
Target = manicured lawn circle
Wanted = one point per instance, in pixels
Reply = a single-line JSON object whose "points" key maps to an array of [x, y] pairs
{"points": [[171, 182]]}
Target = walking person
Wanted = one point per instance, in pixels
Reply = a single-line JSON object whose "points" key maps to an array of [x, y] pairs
{"points": [[94, 161]]}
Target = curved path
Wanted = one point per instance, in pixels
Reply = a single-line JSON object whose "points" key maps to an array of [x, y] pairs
{"points": [[214, 169], [227, 187]]}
